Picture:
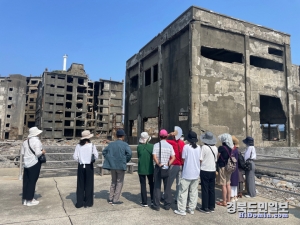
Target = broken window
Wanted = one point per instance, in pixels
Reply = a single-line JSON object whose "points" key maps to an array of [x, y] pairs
{"points": [[9, 106], [51, 85], [33, 91], [80, 123], [53, 76], [80, 81], [10, 89], [81, 89], [9, 98], [7, 125], [155, 73], [148, 77], [90, 93], [275, 51], [6, 135], [90, 100], [79, 106], [51, 94], [69, 123], [68, 114], [272, 118], [222, 55], [69, 97], [68, 105], [68, 132], [31, 124], [8, 116], [61, 78], [265, 63], [31, 107], [78, 133], [79, 98], [134, 83], [70, 88], [31, 99], [69, 79], [60, 87], [91, 85], [31, 116], [79, 115], [35, 81]]}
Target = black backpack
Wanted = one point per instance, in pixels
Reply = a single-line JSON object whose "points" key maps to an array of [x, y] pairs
{"points": [[241, 161]]}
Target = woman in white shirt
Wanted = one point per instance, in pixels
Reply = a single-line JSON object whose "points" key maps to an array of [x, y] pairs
{"points": [[85, 173], [208, 159], [250, 155]]}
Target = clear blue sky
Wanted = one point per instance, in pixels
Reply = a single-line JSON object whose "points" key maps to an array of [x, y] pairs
{"points": [[103, 34]]}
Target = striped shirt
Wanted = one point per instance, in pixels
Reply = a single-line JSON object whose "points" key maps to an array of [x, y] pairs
{"points": [[166, 151]]}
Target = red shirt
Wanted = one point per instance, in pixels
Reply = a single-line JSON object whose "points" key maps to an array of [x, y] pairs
{"points": [[177, 146]]}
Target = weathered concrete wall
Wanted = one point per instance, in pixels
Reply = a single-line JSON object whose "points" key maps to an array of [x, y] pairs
{"points": [[291, 152]]}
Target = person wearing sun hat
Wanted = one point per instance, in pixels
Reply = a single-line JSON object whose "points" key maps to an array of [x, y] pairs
{"points": [[250, 155], [163, 155], [234, 179], [32, 166], [145, 166], [208, 158], [85, 172], [190, 174], [116, 156]]}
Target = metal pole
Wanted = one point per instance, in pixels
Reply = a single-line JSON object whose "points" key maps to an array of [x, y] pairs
{"points": [[20, 165]]}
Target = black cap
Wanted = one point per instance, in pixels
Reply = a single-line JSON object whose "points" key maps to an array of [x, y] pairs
{"points": [[120, 133]]}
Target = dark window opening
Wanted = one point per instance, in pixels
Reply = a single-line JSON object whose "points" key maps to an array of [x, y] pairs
{"points": [[61, 78], [89, 116], [33, 91], [78, 115], [134, 83], [60, 104], [148, 77], [9, 98], [90, 100], [90, 93], [9, 106], [69, 79], [78, 133], [31, 116], [68, 105], [69, 132], [80, 81], [70, 88], [222, 55], [80, 123], [31, 99], [51, 94], [7, 125], [68, 114], [67, 123], [8, 116], [275, 51], [35, 81], [91, 85], [272, 118], [155, 73], [10, 89], [79, 98], [265, 63], [31, 124], [79, 105], [51, 85], [69, 97], [53, 76], [60, 96], [81, 90], [6, 135], [60, 87], [31, 107]]}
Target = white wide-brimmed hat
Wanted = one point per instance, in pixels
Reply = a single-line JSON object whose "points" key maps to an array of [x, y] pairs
{"points": [[33, 132], [145, 138], [178, 132], [86, 134]]}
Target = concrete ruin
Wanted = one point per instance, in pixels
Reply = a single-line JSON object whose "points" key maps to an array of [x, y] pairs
{"points": [[207, 71], [12, 106], [68, 103]]}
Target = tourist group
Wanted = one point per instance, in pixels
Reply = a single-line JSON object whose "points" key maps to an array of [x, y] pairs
{"points": [[171, 159]]}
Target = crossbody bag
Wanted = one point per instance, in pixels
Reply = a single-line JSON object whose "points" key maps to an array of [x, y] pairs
{"points": [[42, 158], [214, 156], [248, 164]]}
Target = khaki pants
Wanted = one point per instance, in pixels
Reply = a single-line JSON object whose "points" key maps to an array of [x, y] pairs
{"points": [[117, 180], [187, 187]]}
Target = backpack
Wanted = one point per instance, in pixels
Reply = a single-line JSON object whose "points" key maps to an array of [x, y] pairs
{"points": [[241, 161], [231, 163]]}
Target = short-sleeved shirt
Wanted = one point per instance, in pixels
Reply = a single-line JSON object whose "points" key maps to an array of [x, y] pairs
{"points": [[208, 158], [223, 159], [191, 166], [166, 152], [177, 146]]}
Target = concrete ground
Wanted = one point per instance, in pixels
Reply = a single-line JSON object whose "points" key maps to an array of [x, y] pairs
{"points": [[57, 199]]}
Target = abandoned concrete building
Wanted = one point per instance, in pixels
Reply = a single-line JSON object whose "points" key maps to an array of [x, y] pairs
{"points": [[68, 103], [12, 106], [208, 71]]}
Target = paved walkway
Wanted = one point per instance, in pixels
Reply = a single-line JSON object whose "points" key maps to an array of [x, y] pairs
{"points": [[57, 198]]}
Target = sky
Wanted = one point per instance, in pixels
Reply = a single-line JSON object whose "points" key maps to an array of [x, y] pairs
{"points": [[103, 34]]}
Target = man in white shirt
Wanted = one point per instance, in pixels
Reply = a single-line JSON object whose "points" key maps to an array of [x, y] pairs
{"points": [[163, 155]]}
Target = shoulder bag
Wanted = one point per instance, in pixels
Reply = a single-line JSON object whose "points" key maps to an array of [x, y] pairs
{"points": [[164, 173], [231, 163], [248, 164], [42, 158], [93, 156]]}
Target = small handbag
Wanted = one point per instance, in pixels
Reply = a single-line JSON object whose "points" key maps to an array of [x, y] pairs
{"points": [[164, 173], [93, 156], [42, 158], [248, 164]]}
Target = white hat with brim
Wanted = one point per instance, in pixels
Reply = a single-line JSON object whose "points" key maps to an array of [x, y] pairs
{"points": [[33, 132], [86, 134], [178, 132], [145, 138]]}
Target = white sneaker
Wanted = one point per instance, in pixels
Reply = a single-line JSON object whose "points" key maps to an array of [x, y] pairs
{"points": [[188, 210], [32, 203], [247, 196], [179, 212], [35, 201], [24, 202]]}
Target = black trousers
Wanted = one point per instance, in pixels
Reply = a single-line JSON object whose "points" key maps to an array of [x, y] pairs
{"points": [[157, 189], [30, 177], [208, 180], [143, 187], [85, 185]]}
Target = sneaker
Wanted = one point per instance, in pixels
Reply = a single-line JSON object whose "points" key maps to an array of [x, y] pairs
{"points": [[35, 201], [247, 196], [109, 201], [188, 210], [212, 210], [204, 210], [155, 208], [144, 205], [32, 203], [116, 203], [24, 202], [151, 203], [180, 212]]}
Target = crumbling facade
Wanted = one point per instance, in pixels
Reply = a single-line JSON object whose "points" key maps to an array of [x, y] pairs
{"points": [[67, 103], [12, 106], [208, 71]]}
